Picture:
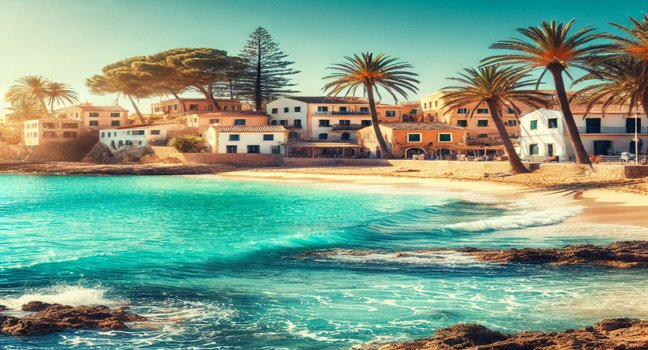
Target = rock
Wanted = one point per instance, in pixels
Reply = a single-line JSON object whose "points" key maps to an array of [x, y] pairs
{"points": [[616, 334], [48, 318], [100, 153], [131, 154]]}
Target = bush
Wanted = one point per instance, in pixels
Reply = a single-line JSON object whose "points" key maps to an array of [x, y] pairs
{"points": [[188, 144]]}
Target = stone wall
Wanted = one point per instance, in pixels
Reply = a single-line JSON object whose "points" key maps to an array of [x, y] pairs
{"points": [[236, 159]]}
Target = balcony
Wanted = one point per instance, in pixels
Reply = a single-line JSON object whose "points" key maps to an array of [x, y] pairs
{"points": [[341, 113], [292, 127], [348, 126], [610, 130]]}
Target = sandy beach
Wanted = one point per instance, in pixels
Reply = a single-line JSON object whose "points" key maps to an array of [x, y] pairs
{"points": [[599, 205]]}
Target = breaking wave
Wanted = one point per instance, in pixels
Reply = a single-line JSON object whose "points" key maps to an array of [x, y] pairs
{"points": [[522, 219]]}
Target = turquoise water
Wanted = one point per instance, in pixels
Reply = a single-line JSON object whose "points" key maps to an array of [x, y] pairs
{"points": [[221, 264]]}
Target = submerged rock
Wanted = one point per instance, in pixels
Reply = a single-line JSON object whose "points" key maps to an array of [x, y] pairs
{"points": [[48, 318], [618, 334], [626, 254]]}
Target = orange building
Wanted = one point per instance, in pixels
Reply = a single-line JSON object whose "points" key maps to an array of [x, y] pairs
{"points": [[174, 107], [204, 121], [94, 117], [406, 139]]}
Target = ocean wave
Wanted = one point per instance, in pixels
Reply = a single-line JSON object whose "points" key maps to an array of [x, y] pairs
{"points": [[409, 258], [521, 219], [62, 294]]}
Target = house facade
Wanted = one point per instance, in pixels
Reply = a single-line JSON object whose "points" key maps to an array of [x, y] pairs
{"points": [[406, 139], [326, 118], [204, 121], [543, 132], [93, 117], [268, 139], [174, 107], [138, 135], [43, 131]]}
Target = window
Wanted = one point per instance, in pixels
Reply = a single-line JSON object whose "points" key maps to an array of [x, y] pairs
{"points": [[462, 123], [482, 123], [481, 136], [283, 122], [366, 123], [69, 125], [413, 137], [115, 115], [273, 122], [214, 121], [345, 136], [511, 110], [230, 149], [114, 123], [297, 123], [364, 109], [343, 109], [533, 149], [103, 134], [322, 108], [533, 125], [286, 109], [157, 109], [323, 136], [550, 150], [345, 122], [193, 107], [138, 132], [390, 113], [175, 107], [225, 108], [482, 110], [297, 109], [69, 134], [324, 123], [121, 143], [511, 123], [275, 150], [155, 132], [239, 121], [425, 105], [436, 104], [93, 123], [445, 137], [268, 137], [275, 110], [109, 134], [234, 137], [93, 115], [253, 149], [552, 123], [462, 111]]}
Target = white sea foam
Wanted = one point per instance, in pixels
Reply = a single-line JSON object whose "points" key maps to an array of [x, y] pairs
{"points": [[62, 294], [412, 258], [521, 219]]}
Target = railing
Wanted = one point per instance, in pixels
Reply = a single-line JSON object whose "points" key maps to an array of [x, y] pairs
{"points": [[347, 126], [341, 113], [292, 126], [610, 130]]}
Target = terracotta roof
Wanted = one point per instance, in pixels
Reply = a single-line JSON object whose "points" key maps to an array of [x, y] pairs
{"points": [[334, 100], [421, 126], [196, 99], [102, 108], [145, 126], [249, 128], [597, 109], [233, 114]]}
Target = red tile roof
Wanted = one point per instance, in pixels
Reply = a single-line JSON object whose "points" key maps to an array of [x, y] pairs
{"points": [[233, 114], [249, 128], [91, 108], [421, 126]]}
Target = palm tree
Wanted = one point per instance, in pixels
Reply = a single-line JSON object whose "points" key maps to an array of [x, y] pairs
{"points": [[59, 93], [496, 87], [634, 44], [29, 87], [24, 109], [553, 48], [370, 73], [620, 81]]}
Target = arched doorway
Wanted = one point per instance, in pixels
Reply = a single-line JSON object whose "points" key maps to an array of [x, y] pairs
{"points": [[414, 151], [345, 136]]}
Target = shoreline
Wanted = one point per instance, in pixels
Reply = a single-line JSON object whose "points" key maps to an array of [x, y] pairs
{"points": [[599, 206]]}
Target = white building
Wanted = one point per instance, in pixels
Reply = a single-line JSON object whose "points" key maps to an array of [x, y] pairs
{"points": [[327, 118], [543, 133], [43, 131], [267, 139], [138, 135]]}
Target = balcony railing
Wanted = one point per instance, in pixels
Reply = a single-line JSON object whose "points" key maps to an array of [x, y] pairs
{"points": [[341, 113], [610, 130], [347, 126], [292, 126]]}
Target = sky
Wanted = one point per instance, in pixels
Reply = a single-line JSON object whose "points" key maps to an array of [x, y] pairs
{"points": [[71, 40]]}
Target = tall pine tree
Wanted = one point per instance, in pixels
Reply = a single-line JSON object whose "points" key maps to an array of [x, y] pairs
{"points": [[267, 73]]}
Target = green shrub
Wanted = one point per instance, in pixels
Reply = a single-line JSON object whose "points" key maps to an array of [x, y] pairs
{"points": [[188, 144]]}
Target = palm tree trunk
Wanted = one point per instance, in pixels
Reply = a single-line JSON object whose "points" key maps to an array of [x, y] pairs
{"points": [[572, 129], [44, 106], [384, 150], [137, 110], [181, 102], [514, 159]]}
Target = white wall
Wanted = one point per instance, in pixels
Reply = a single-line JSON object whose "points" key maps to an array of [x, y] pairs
{"points": [[543, 135], [245, 139], [107, 136], [291, 115]]}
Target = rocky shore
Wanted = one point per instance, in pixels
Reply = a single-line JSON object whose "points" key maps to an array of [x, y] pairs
{"points": [[617, 334], [65, 168], [44, 318], [625, 254]]}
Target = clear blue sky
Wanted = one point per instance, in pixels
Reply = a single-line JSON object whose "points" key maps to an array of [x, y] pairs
{"points": [[70, 40]]}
